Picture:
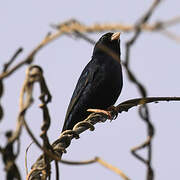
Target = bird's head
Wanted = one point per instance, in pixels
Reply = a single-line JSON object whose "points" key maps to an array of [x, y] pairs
{"points": [[108, 44]]}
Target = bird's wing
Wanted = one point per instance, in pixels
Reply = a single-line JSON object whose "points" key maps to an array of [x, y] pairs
{"points": [[86, 77]]}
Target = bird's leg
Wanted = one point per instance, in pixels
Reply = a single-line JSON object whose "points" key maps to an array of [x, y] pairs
{"points": [[105, 112], [111, 112], [114, 111]]}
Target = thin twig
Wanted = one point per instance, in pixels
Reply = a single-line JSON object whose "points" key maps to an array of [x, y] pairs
{"points": [[26, 99], [57, 169], [112, 168], [6, 65], [27, 149], [100, 161], [171, 35], [87, 162]]}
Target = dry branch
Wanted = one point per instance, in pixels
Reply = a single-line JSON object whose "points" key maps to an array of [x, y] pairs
{"points": [[71, 26], [41, 169], [60, 145], [101, 162]]}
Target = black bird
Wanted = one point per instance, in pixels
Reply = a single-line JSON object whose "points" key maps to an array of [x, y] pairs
{"points": [[100, 82]]}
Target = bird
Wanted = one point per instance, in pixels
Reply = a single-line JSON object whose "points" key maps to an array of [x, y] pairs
{"points": [[100, 83]]}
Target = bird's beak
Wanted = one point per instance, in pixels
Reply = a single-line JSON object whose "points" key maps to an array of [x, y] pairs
{"points": [[115, 36]]}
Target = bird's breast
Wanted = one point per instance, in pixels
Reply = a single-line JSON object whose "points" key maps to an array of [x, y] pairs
{"points": [[106, 85]]}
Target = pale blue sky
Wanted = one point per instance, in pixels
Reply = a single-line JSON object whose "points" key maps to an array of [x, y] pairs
{"points": [[155, 59]]}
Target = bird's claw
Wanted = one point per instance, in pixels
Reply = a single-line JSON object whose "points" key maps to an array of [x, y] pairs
{"points": [[114, 112]]}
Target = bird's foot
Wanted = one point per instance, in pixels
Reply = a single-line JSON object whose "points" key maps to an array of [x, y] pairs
{"points": [[114, 111], [107, 113]]}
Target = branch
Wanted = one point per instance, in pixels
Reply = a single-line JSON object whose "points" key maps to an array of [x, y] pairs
{"points": [[71, 26], [45, 98], [100, 27], [32, 75], [143, 111], [100, 161], [6, 65], [60, 145]]}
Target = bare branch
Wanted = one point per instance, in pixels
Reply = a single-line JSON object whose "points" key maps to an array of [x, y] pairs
{"points": [[60, 145], [71, 26], [27, 149], [41, 168], [112, 168], [171, 35], [6, 65], [100, 161], [26, 99], [139, 85]]}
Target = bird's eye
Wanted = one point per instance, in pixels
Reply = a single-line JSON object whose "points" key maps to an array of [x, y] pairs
{"points": [[104, 38]]}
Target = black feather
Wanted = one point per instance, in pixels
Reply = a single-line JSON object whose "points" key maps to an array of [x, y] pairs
{"points": [[100, 82]]}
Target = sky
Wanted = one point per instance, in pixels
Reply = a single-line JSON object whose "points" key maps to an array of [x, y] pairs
{"points": [[154, 59]]}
